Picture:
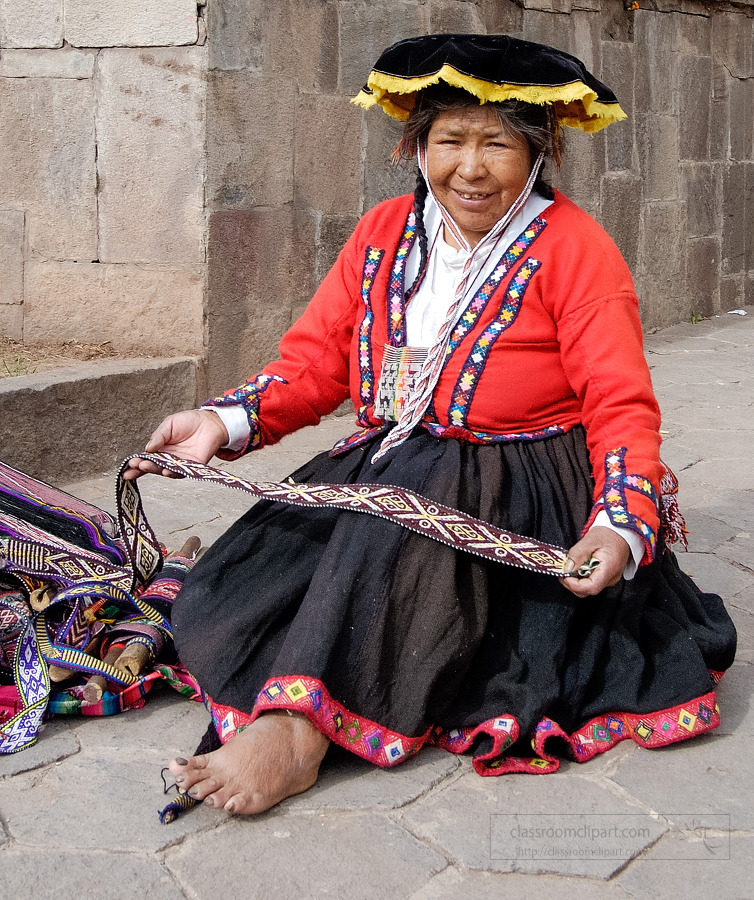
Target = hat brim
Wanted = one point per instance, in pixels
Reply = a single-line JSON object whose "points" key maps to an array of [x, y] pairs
{"points": [[486, 66]]}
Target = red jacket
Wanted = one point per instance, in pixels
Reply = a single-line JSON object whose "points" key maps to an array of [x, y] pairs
{"points": [[552, 340]]}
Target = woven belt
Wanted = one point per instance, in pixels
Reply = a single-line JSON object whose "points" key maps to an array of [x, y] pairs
{"points": [[412, 511]]}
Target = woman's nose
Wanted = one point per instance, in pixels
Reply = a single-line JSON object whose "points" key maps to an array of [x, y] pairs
{"points": [[471, 164]]}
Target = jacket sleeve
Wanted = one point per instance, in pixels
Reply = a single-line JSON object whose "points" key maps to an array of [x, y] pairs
{"points": [[311, 377], [599, 331]]}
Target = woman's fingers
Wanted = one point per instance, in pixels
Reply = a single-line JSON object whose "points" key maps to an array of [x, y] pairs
{"points": [[612, 553]]}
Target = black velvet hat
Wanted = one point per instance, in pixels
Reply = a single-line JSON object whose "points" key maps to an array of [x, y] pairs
{"points": [[492, 67]]}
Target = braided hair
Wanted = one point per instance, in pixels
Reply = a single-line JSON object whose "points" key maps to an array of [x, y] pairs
{"points": [[420, 197]]}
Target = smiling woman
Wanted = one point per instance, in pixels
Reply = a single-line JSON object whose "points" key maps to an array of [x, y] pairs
{"points": [[487, 332]]}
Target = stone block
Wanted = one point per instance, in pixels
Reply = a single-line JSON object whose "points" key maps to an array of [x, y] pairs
{"points": [[703, 275], [693, 35], [748, 216], [12, 321], [587, 45], [742, 119], [366, 28], [490, 824], [733, 42], [502, 16], [546, 28], [88, 418], [260, 266], [334, 231], [701, 190], [325, 856], [382, 177], [620, 214], [618, 61], [553, 6], [235, 29], [67, 63], [47, 157], [130, 23], [694, 93], [617, 25], [583, 167], [454, 17], [251, 128], [654, 35], [315, 37], [72, 873], [140, 311], [150, 155], [660, 256], [732, 292], [327, 167], [31, 23], [657, 143], [734, 219], [11, 256]]}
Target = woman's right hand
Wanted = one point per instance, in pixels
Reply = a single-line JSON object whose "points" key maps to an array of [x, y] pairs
{"points": [[194, 434]]}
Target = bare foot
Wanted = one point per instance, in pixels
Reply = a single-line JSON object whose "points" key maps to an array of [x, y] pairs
{"points": [[277, 756]]}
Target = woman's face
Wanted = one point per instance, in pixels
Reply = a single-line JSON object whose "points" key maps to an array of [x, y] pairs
{"points": [[476, 169]]}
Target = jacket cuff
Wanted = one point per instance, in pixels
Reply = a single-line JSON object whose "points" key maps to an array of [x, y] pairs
{"points": [[247, 396]]}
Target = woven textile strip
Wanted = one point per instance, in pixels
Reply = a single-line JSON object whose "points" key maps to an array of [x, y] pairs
{"points": [[410, 510]]}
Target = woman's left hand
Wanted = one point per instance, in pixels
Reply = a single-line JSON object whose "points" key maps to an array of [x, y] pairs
{"points": [[611, 551]]}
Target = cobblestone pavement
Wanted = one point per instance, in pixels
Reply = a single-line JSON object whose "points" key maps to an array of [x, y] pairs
{"points": [[79, 810]]}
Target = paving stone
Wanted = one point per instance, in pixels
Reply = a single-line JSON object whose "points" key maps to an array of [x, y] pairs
{"points": [[56, 741], [117, 876], [150, 156], [734, 694], [349, 783], [242, 173], [11, 255], [130, 23], [31, 23], [168, 725], [713, 574], [294, 856], [666, 871], [740, 549], [698, 777], [131, 306], [453, 882], [51, 807], [47, 155], [514, 823], [67, 63], [705, 533]]}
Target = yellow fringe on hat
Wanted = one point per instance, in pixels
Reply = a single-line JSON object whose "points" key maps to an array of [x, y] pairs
{"points": [[575, 103]]}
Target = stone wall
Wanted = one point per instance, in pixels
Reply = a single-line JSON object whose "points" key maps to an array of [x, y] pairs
{"points": [[292, 165], [177, 195], [102, 154]]}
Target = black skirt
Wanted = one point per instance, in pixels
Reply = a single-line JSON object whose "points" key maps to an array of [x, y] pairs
{"points": [[388, 640]]}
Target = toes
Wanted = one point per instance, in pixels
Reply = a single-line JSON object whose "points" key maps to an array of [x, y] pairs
{"points": [[202, 789]]}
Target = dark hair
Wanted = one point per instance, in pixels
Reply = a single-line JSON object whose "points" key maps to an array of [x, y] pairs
{"points": [[533, 123]]}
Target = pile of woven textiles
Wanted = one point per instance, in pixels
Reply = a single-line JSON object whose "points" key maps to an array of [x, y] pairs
{"points": [[85, 603]]}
